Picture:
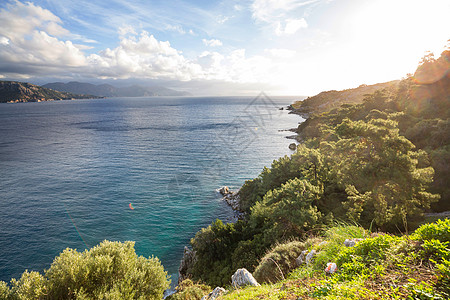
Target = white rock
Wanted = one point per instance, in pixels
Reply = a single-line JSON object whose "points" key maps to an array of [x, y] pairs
{"points": [[242, 277], [301, 258], [351, 242], [310, 256], [331, 268], [218, 291]]}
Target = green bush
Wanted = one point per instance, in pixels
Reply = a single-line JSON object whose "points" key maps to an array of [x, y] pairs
{"points": [[278, 262], [31, 285], [189, 290], [5, 292], [111, 270], [440, 230]]}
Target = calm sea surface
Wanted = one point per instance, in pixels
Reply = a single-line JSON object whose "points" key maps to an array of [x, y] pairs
{"points": [[71, 171]]}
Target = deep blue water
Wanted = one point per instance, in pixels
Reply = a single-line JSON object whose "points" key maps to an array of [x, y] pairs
{"points": [[70, 169]]}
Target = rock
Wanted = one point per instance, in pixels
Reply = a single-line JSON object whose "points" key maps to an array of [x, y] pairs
{"points": [[242, 277], [331, 268], [310, 256], [224, 191], [187, 262], [351, 242], [233, 200], [218, 291], [292, 146], [301, 258]]}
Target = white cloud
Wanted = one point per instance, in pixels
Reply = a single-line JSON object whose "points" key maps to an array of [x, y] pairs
{"points": [[176, 28], [127, 29], [222, 19], [268, 10], [291, 27], [238, 7], [4, 40], [280, 53], [212, 42]]}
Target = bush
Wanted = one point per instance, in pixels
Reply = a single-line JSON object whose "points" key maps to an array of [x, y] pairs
{"points": [[278, 262], [31, 285], [440, 230], [111, 270], [189, 290], [4, 290]]}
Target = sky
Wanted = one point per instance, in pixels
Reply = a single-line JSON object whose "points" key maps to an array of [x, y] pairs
{"points": [[208, 47]]}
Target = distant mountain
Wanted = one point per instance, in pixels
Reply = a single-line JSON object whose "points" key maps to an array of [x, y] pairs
{"points": [[107, 90], [326, 101], [14, 91]]}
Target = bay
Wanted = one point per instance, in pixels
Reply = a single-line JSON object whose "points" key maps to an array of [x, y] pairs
{"points": [[75, 173]]}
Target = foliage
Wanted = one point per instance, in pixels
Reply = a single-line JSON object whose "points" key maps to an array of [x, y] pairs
{"points": [[440, 230], [111, 270], [370, 162], [189, 290], [278, 262], [381, 266]]}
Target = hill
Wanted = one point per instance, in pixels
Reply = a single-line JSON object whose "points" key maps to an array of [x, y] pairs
{"points": [[107, 90], [14, 91], [328, 100]]}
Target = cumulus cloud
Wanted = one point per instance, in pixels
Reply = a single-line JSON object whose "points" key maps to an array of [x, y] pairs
{"points": [[212, 42], [33, 41]]}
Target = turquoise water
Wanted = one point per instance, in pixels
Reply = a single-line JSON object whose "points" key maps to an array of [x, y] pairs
{"points": [[70, 169]]}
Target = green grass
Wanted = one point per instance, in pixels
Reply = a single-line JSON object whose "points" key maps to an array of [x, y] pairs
{"points": [[379, 267]]}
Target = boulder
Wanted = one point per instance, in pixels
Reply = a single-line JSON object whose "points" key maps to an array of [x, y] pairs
{"points": [[218, 291], [187, 262], [242, 278], [292, 146], [310, 256], [331, 268], [301, 258], [351, 242], [224, 191]]}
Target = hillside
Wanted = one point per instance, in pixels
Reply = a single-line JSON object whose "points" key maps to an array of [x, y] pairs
{"points": [[107, 90], [14, 91], [328, 100]]}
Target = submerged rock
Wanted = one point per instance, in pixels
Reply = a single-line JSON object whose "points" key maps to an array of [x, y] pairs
{"points": [[242, 278], [218, 291]]}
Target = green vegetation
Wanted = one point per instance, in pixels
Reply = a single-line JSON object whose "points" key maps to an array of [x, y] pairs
{"points": [[381, 266], [111, 270], [369, 163], [189, 290]]}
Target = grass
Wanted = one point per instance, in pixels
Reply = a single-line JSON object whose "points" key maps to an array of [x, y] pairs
{"points": [[381, 266]]}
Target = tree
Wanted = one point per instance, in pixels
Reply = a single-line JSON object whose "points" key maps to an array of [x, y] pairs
{"points": [[384, 178]]}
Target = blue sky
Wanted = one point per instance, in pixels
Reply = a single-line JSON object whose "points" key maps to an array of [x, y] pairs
{"points": [[297, 47]]}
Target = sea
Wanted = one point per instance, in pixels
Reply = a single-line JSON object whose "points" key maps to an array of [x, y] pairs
{"points": [[76, 173]]}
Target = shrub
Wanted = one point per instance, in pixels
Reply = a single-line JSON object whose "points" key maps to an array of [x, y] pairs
{"points": [[110, 270], [189, 290], [31, 285], [440, 230], [5, 292], [278, 262]]}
